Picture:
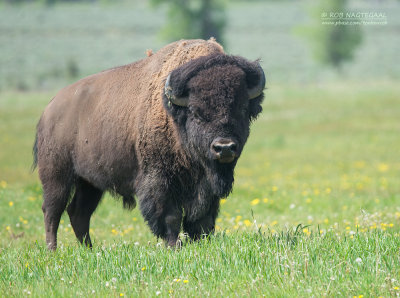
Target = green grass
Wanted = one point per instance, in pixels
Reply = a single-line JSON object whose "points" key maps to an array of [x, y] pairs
{"points": [[325, 157], [242, 264]]}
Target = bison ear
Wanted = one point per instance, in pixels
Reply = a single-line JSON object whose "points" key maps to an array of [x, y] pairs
{"points": [[181, 101], [256, 80]]}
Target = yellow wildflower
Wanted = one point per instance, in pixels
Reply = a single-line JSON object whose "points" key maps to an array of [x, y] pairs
{"points": [[382, 167], [255, 202], [223, 201], [10, 203], [185, 281], [274, 188], [265, 200], [247, 222], [359, 164], [143, 268]]}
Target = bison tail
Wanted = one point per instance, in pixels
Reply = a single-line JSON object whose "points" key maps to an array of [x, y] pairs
{"points": [[35, 152]]}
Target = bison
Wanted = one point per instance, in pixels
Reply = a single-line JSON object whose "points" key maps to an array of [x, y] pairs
{"points": [[167, 129]]}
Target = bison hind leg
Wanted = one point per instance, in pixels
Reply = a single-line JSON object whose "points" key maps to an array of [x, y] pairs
{"points": [[81, 208], [56, 193]]}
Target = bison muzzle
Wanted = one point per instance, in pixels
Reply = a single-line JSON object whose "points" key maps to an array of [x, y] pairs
{"points": [[167, 130]]}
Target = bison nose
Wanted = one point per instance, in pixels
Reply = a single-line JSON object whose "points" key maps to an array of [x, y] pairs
{"points": [[224, 150]]}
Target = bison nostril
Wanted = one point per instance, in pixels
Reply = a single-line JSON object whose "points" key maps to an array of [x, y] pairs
{"points": [[232, 147], [217, 148], [223, 148]]}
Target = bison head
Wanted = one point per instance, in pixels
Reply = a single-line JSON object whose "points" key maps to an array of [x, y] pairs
{"points": [[213, 100]]}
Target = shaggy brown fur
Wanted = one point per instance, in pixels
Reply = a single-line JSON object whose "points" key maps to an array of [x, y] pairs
{"points": [[117, 131]]}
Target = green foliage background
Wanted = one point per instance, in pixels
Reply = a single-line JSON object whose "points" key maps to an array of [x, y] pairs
{"points": [[333, 44], [189, 19]]}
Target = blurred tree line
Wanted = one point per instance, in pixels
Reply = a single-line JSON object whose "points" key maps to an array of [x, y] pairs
{"points": [[186, 19], [193, 19], [331, 43], [48, 2]]}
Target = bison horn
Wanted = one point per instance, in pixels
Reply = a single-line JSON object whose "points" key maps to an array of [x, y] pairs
{"points": [[179, 101], [258, 89]]}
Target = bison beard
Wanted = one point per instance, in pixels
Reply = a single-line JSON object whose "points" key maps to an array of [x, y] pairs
{"points": [[167, 129]]}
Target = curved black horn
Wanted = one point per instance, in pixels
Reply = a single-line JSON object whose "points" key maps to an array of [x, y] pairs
{"points": [[179, 101], [258, 89]]}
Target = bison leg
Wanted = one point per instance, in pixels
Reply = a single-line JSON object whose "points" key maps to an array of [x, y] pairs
{"points": [[164, 222], [173, 221], [203, 226], [81, 208], [55, 193]]}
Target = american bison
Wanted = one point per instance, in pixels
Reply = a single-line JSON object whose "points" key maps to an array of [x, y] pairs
{"points": [[167, 129]]}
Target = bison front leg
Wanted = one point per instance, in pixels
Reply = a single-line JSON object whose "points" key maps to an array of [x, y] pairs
{"points": [[81, 208], [164, 219], [196, 229]]}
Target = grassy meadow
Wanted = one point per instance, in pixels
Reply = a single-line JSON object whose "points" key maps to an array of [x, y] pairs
{"points": [[315, 209]]}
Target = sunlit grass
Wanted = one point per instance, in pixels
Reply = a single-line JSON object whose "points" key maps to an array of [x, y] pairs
{"points": [[322, 160]]}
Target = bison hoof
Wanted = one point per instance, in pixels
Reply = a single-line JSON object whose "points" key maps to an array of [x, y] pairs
{"points": [[174, 244]]}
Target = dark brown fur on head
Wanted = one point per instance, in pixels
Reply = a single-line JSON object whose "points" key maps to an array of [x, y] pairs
{"points": [[218, 107]]}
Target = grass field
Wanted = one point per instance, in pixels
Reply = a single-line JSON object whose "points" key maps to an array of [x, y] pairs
{"points": [[324, 157], [315, 209]]}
